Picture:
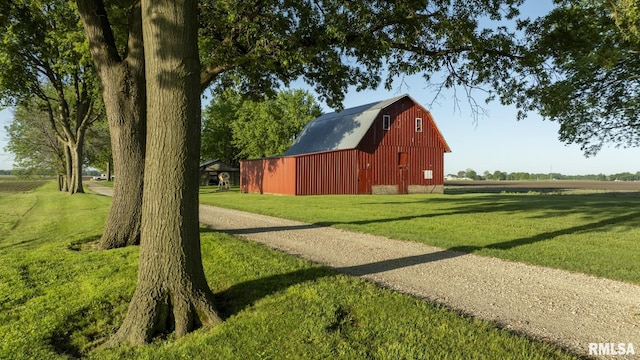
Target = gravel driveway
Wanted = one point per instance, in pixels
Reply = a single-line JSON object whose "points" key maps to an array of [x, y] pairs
{"points": [[569, 309]]}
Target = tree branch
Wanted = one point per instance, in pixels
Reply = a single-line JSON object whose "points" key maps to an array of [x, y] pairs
{"points": [[443, 52], [102, 42], [52, 121], [135, 43], [209, 73]]}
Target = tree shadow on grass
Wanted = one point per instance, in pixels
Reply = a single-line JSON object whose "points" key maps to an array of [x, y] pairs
{"points": [[87, 243], [243, 295], [30, 242], [240, 296], [77, 245], [539, 206], [591, 227], [81, 324], [61, 336]]}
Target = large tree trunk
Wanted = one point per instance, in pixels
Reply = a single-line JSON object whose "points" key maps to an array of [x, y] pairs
{"points": [[123, 90], [172, 292], [79, 188], [68, 162], [124, 95], [126, 112], [75, 185]]}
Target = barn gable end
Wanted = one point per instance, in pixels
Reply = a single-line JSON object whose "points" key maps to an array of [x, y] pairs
{"points": [[391, 146]]}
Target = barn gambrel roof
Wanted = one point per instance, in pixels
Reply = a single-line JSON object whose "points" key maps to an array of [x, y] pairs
{"points": [[340, 130]]}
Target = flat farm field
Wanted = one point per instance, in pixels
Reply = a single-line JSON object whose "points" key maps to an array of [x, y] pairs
{"points": [[559, 186], [10, 184]]}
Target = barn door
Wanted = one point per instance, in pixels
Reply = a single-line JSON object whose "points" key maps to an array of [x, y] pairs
{"points": [[364, 181], [403, 173]]}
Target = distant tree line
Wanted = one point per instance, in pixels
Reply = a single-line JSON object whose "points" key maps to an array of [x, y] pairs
{"points": [[501, 175]]}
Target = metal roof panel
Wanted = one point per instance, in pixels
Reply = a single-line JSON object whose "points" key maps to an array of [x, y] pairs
{"points": [[338, 130]]}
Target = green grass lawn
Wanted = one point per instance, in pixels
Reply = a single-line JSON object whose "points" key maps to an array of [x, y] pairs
{"points": [[589, 232], [60, 298]]}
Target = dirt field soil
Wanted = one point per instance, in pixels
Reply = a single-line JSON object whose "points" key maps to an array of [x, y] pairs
{"points": [[541, 186]]}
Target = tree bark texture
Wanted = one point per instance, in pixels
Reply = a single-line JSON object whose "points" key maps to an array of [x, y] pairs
{"points": [[123, 89], [68, 161], [125, 104], [76, 161], [172, 292]]}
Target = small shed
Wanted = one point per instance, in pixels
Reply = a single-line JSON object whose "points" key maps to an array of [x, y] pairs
{"points": [[210, 169], [387, 147]]}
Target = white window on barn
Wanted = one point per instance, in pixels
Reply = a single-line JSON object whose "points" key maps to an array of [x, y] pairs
{"points": [[386, 122], [418, 125]]}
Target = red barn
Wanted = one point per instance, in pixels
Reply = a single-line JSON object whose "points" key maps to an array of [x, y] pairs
{"points": [[388, 147]]}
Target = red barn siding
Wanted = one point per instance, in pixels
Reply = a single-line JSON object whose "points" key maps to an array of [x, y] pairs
{"points": [[386, 167], [333, 172], [268, 176]]}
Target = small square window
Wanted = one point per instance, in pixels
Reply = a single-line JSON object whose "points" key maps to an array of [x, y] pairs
{"points": [[386, 122], [418, 125]]}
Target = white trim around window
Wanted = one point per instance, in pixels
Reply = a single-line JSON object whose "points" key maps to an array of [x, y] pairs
{"points": [[386, 122], [418, 124]]}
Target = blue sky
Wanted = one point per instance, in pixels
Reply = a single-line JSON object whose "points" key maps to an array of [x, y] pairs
{"points": [[496, 141]]}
